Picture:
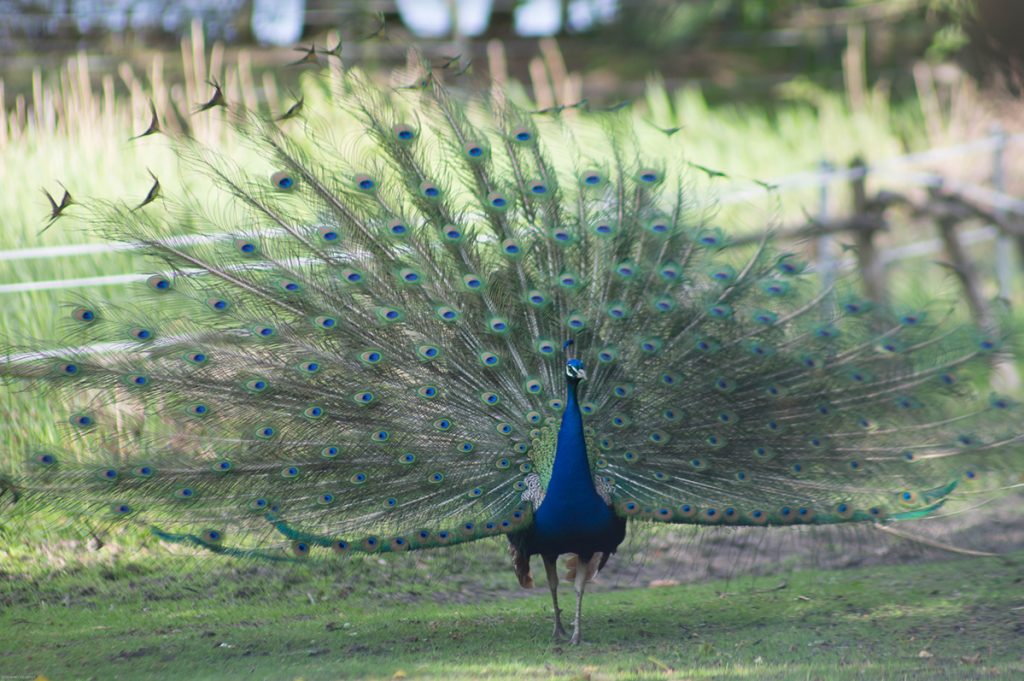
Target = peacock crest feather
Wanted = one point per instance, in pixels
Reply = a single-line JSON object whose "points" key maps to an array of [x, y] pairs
{"points": [[363, 346]]}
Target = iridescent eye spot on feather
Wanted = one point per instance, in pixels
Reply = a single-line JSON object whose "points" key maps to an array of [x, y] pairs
{"points": [[330, 451], [407, 458], [397, 228], [289, 286], [446, 313], [623, 390], [659, 226], [325, 323], [82, 421], [561, 236], [545, 347], [686, 511], [503, 463], [603, 228], [648, 176], [358, 478], [533, 417], [45, 459], [523, 448], [474, 151], [511, 248], [257, 385], [716, 441], [120, 509], [489, 398], [620, 421], [340, 547], [328, 234], [533, 386], [498, 325], [325, 499], [775, 288], [290, 472], [720, 311], [658, 437], [265, 432], [764, 317], [555, 405], [489, 359], [650, 345], [300, 549], [429, 190], [159, 282], [617, 310], [313, 412], [365, 183], [625, 269], [217, 304], [246, 247], [351, 276], [592, 179], [725, 385], [498, 201], [588, 408], [443, 424], [371, 357], [465, 447], [472, 282], [388, 315], [452, 233], [282, 180], [309, 367], [711, 238], [390, 502], [844, 510], [568, 280], [259, 504], [722, 274], [68, 369], [428, 392], [538, 189], [380, 436], [409, 276], [108, 475], [630, 456], [197, 410], [671, 378], [522, 135], [436, 478], [607, 355], [428, 353], [706, 345], [576, 321], [141, 334], [403, 132], [763, 453], [84, 315], [186, 493], [670, 271]]}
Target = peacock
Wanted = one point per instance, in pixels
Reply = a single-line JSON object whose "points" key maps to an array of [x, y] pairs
{"points": [[471, 319]]}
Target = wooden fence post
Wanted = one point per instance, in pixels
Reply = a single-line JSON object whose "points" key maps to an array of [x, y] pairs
{"points": [[868, 220], [948, 218]]}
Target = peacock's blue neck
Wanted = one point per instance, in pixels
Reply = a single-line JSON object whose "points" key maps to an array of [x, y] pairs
{"points": [[572, 482]]}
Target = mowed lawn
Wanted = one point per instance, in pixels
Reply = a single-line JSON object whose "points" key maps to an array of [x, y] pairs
{"points": [[151, 614]]}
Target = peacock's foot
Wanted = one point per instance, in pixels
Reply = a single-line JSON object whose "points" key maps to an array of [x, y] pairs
{"points": [[560, 633], [576, 637]]}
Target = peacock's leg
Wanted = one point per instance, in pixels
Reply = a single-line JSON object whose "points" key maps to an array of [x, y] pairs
{"points": [[584, 571], [551, 567]]}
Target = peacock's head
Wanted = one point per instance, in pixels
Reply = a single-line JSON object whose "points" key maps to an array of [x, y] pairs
{"points": [[574, 371]]}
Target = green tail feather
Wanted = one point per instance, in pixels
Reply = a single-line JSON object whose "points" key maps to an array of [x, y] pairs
{"points": [[373, 350]]}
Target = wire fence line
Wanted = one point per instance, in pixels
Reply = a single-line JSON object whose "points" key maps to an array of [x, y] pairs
{"points": [[821, 178]]}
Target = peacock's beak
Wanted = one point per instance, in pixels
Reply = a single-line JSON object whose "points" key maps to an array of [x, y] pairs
{"points": [[581, 374]]}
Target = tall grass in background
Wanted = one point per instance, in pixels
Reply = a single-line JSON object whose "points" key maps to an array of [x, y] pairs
{"points": [[73, 131]]}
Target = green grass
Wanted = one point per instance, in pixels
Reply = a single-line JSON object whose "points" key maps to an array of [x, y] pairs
{"points": [[175, 617]]}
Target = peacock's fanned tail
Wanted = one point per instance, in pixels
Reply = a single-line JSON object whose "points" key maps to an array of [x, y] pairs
{"points": [[360, 347]]}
